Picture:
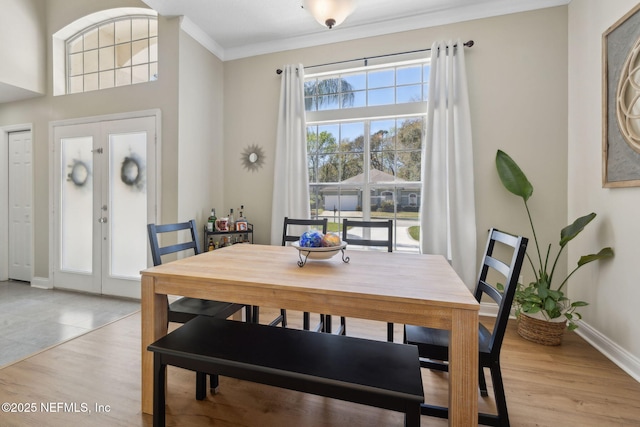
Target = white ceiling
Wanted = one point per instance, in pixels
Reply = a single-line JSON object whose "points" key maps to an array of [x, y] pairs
{"points": [[234, 29]]}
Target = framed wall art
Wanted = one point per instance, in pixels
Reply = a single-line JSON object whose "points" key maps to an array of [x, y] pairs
{"points": [[621, 102]]}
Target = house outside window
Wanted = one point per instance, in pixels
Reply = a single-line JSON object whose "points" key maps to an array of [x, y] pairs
{"points": [[115, 52], [365, 129]]}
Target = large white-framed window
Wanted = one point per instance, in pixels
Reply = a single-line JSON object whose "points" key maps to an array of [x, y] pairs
{"points": [[116, 52], [106, 49], [365, 128]]}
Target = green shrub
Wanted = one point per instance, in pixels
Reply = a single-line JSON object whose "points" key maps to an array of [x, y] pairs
{"points": [[386, 206]]}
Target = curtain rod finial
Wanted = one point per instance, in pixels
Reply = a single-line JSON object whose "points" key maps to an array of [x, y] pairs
{"points": [[279, 71], [470, 43]]}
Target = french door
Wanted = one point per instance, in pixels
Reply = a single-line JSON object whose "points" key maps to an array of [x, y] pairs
{"points": [[104, 198]]}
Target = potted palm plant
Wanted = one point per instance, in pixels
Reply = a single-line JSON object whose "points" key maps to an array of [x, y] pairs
{"points": [[542, 308]]}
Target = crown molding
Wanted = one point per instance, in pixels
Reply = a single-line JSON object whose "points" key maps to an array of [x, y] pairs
{"points": [[201, 37], [345, 33]]}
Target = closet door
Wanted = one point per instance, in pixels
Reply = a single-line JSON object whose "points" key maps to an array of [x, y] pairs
{"points": [[20, 206]]}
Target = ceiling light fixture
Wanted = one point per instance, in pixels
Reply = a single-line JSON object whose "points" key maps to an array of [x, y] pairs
{"points": [[329, 12]]}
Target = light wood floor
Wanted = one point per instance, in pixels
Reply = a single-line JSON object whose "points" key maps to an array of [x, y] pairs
{"points": [[570, 385]]}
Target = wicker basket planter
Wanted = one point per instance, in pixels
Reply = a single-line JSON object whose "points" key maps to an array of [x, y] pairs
{"points": [[541, 331]]}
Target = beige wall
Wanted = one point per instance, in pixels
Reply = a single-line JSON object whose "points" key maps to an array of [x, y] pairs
{"points": [[23, 63], [200, 132], [517, 74], [613, 287]]}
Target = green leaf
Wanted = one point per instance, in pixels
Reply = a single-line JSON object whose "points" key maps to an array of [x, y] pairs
{"points": [[550, 305], [512, 177], [555, 295], [604, 253], [543, 292], [579, 304], [532, 309], [572, 326], [571, 231]]}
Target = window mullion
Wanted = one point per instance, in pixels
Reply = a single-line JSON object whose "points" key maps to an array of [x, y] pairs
{"points": [[366, 187]]}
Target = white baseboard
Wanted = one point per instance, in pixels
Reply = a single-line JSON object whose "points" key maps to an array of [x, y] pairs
{"points": [[489, 309], [612, 351], [41, 282], [618, 355]]}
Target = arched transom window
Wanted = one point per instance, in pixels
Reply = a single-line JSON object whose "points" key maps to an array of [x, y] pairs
{"points": [[115, 52]]}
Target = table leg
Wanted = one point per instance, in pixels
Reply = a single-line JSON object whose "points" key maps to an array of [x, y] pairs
{"points": [[463, 369], [154, 325]]}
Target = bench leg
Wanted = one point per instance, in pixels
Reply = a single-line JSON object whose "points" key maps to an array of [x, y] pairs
{"points": [[159, 384], [215, 383], [201, 385], [412, 416]]}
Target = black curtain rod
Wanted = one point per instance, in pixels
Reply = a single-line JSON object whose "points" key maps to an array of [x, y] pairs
{"points": [[467, 44]]}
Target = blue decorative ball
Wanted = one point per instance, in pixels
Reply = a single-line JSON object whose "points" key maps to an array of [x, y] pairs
{"points": [[311, 239]]}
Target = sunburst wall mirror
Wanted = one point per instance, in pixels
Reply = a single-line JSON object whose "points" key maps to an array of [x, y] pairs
{"points": [[252, 158]]}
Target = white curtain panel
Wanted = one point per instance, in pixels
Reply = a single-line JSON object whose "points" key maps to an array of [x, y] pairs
{"points": [[291, 176], [447, 219]]}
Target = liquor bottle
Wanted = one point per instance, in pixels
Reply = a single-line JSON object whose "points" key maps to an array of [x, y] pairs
{"points": [[232, 223], [211, 245], [242, 225], [212, 221]]}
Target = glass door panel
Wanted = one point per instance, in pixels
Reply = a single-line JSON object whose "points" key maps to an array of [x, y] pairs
{"points": [[128, 204], [76, 205]]}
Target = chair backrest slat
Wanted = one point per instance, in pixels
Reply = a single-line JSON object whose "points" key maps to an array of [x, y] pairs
{"points": [[388, 242], [157, 251], [497, 265]]}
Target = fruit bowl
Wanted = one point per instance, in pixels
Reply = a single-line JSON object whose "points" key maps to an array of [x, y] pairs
{"points": [[322, 252]]}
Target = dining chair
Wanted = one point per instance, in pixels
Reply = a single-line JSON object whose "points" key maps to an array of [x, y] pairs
{"points": [[291, 232], [184, 309], [433, 344], [364, 240]]}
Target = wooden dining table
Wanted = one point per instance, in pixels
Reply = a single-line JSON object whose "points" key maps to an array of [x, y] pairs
{"points": [[392, 287]]}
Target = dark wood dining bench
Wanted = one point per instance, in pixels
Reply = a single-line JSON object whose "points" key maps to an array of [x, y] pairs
{"points": [[375, 373]]}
